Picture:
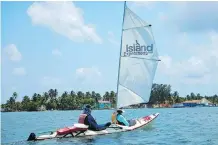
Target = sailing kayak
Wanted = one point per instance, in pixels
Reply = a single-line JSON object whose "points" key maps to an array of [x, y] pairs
{"points": [[79, 130]]}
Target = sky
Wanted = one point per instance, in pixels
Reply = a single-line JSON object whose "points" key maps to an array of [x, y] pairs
{"points": [[76, 45]]}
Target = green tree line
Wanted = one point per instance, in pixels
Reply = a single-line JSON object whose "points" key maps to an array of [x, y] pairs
{"points": [[51, 100], [162, 94]]}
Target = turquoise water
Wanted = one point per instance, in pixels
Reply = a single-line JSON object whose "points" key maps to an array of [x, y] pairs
{"points": [[179, 126]]}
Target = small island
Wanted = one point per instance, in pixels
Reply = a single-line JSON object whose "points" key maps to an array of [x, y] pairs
{"points": [[161, 97]]}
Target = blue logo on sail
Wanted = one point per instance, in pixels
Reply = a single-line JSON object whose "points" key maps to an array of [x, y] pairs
{"points": [[137, 49]]}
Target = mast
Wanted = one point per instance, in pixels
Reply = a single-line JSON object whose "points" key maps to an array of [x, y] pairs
{"points": [[120, 53]]}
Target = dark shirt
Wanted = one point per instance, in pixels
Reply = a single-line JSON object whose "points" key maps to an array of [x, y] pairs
{"points": [[90, 121]]}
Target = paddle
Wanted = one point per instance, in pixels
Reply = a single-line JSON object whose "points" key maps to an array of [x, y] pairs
{"points": [[116, 127]]}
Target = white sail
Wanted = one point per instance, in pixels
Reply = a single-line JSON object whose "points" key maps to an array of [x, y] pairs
{"points": [[138, 61]]}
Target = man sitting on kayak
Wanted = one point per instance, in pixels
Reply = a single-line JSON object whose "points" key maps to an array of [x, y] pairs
{"points": [[87, 119]]}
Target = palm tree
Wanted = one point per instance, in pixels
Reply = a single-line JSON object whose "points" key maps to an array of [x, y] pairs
{"points": [[88, 95], [93, 94], [14, 96], [106, 96]]}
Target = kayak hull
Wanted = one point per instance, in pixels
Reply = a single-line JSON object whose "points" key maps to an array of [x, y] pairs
{"points": [[79, 130]]}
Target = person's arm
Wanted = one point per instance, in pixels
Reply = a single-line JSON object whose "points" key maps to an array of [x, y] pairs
{"points": [[122, 119]]}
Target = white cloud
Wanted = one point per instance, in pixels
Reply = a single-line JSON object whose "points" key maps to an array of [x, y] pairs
{"points": [[20, 71], [63, 18], [56, 52], [13, 53], [88, 75], [49, 81], [111, 38], [191, 71], [200, 68], [165, 64]]}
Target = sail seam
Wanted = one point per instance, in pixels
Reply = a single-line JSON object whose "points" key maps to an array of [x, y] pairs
{"points": [[142, 58], [136, 27]]}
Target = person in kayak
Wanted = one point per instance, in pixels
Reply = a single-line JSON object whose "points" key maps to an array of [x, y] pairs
{"points": [[121, 120], [118, 118], [87, 119]]}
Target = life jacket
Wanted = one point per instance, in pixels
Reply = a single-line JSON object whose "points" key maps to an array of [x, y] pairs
{"points": [[82, 118], [118, 122], [114, 118]]}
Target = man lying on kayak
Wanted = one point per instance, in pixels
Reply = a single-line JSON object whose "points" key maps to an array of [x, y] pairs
{"points": [[87, 119]]}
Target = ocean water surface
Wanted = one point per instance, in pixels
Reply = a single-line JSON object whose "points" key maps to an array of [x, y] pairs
{"points": [[174, 126]]}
